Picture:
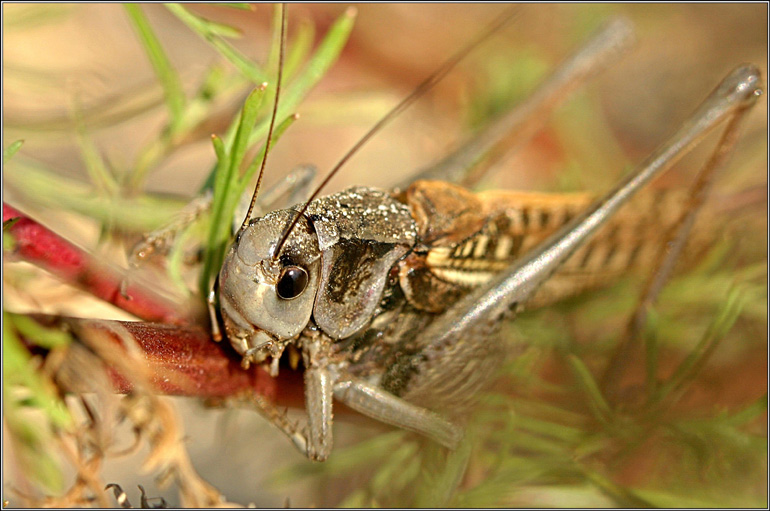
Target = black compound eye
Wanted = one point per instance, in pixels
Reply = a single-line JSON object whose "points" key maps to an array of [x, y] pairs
{"points": [[292, 282]]}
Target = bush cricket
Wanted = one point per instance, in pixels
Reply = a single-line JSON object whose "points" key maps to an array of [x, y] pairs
{"points": [[394, 299]]}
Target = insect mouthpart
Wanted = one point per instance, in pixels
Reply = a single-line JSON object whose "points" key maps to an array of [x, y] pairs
{"points": [[264, 347]]}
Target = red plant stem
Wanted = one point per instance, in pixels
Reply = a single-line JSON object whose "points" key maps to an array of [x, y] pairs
{"points": [[41, 247], [183, 360]]}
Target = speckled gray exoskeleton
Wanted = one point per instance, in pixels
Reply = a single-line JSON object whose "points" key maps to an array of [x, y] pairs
{"points": [[394, 299]]}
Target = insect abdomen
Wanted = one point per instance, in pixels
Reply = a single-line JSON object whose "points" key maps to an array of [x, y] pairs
{"points": [[493, 229]]}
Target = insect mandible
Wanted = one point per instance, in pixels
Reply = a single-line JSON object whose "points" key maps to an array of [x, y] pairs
{"points": [[394, 299]]}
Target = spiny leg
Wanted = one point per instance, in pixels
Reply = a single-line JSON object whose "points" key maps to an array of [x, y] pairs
{"points": [[159, 242], [279, 419], [289, 190], [469, 163], [320, 386], [316, 441]]}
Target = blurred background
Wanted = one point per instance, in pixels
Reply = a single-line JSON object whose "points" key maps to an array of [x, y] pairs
{"points": [[66, 62]]}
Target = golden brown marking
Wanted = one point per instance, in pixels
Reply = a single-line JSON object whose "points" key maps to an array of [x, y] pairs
{"points": [[514, 223]]}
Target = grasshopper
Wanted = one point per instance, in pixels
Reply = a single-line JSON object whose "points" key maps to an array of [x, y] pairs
{"points": [[394, 299]]}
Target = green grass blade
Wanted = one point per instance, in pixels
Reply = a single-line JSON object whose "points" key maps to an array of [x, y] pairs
{"points": [[327, 53], [299, 49], [226, 183], [398, 459], [12, 149], [222, 30], [96, 167], [691, 365], [651, 348], [167, 75], [561, 432], [210, 32], [686, 500], [324, 57], [217, 178], [251, 171], [217, 83], [242, 7], [42, 186], [275, 44], [48, 338], [445, 478], [748, 414], [176, 259], [245, 125], [9, 242], [623, 496], [26, 392], [599, 406], [219, 147]]}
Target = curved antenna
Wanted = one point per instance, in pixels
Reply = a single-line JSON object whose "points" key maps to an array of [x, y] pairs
{"points": [[420, 90], [272, 117]]}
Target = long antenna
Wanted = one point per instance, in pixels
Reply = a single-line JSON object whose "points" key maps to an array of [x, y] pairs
{"points": [[420, 90], [272, 118]]}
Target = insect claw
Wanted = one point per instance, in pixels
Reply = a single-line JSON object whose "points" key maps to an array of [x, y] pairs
{"points": [[274, 366], [250, 355], [252, 351]]}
